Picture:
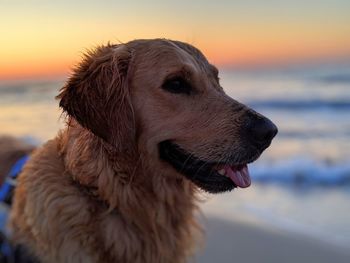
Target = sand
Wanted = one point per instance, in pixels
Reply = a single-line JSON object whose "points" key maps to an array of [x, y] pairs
{"points": [[243, 243]]}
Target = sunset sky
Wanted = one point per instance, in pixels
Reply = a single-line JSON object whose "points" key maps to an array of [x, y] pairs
{"points": [[45, 38]]}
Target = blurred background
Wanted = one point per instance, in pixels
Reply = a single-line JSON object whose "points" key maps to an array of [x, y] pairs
{"points": [[289, 60]]}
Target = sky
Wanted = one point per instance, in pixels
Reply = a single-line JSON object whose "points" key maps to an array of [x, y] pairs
{"points": [[44, 38]]}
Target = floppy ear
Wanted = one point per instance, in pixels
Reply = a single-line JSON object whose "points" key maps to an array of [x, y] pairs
{"points": [[97, 95]]}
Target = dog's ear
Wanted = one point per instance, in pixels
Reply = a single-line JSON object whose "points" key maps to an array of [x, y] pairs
{"points": [[97, 95]]}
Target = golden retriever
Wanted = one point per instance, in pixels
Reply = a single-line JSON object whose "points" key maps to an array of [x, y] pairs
{"points": [[148, 124]]}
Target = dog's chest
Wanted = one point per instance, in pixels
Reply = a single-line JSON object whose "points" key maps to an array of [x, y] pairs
{"points": [[124, 241]]}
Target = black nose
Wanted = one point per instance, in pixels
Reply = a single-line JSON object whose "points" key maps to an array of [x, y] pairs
{"points": [[260, 131]]}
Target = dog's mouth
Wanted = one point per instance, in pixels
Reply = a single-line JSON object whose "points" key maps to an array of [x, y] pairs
{"points": [[239, 174], [213, 177]]}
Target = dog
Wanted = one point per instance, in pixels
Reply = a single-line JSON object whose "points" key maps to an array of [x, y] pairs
{"points": [[148, 127]]}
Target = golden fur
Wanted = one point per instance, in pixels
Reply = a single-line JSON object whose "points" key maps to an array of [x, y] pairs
{"points": [[98, 191]]}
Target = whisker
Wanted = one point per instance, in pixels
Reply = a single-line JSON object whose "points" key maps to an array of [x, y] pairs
{"points": [[185, 162], [194, 176]]}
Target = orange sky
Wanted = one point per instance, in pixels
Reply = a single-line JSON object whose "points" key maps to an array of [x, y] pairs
{"points": [[44, 39]]}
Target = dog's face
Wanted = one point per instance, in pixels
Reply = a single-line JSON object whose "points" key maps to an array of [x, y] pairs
{"points": [[179, 116], [188, 122]]}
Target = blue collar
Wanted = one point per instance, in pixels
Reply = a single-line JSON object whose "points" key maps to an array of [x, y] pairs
{"points": [[9, 184]]}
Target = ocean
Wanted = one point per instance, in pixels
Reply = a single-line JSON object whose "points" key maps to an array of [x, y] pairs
{"points": [[302, 181]]}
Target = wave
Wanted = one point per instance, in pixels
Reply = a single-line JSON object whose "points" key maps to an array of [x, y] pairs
{"points": [[301, 105], [302, 171], [30, 87], [309, 133], [336, 78]]}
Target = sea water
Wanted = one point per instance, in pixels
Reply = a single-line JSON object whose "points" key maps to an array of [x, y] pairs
{"points": [[302, 181]]}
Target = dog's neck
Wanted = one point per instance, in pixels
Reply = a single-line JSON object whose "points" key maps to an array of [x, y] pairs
{"points": [[159, 206]]}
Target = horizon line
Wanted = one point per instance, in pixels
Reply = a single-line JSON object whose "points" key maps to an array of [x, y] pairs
{"points": [[248, 66]]}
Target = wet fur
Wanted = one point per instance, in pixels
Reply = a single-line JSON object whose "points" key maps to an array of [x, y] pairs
{"points": [[98, 191]]}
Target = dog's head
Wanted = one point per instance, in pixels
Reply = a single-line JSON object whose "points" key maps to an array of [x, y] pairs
{"points": [[164, 99]]}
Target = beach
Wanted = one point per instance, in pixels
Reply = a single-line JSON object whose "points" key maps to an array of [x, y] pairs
{"points": [[297, 208], [275, 224], [237, 242]]}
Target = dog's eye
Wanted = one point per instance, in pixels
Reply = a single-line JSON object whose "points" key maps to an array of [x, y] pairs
{"points": [[177, 85]]}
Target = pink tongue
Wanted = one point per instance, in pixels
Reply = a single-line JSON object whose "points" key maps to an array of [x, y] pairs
{"points": [[240, 176]]}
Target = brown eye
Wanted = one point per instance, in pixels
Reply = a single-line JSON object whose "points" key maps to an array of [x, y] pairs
{"points": [[177, 85]]}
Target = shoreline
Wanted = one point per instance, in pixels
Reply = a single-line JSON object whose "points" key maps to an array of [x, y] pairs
{"points": [[235, 241]]}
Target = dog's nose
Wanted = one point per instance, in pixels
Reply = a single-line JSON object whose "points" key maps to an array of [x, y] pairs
{"points": [[261, 131]]}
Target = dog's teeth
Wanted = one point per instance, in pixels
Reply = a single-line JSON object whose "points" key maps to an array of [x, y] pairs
{"points": [[221, 171]]}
